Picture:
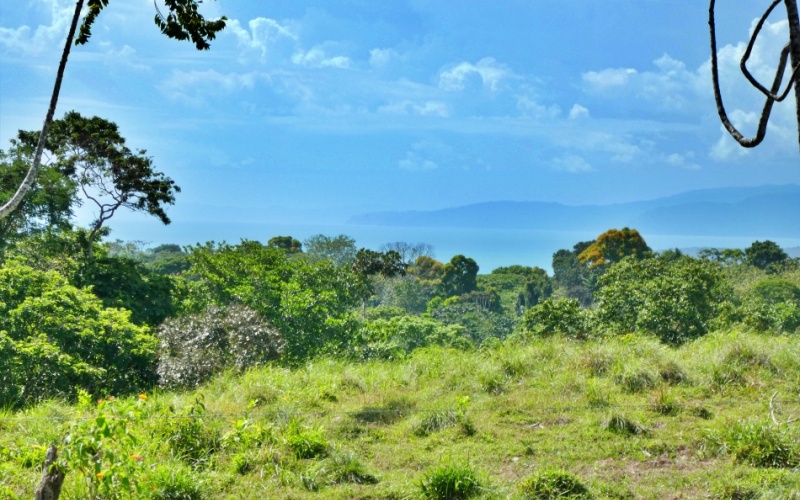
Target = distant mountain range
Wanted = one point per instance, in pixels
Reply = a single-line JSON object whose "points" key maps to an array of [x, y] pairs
{"points": [[763, 211]]}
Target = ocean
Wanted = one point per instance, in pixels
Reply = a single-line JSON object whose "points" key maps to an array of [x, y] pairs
{"points": [[490, 248]]}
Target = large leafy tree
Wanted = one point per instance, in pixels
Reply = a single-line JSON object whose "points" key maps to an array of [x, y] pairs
{"points": [[614, 245], [460, 276], [182, 22], [763, 254], [93, 155], [286, 243], [672, 298], [341, 249], [310, 303]]}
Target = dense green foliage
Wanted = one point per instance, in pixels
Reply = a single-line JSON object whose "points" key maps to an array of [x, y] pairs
{"points": [[55, 338], [674, 299], [310, 303]]}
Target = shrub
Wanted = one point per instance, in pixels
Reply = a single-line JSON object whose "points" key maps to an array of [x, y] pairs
{"points": [[196, 346], [451, 482], [400, 335], [674, 299], [563, 316], [56, 338], [553, 483]]}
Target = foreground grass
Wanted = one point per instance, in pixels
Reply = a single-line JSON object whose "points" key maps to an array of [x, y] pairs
{"points": [[620, 418]]}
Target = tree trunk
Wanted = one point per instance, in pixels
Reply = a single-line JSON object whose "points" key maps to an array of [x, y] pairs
{"points": [[52, 477], [15, 200]]}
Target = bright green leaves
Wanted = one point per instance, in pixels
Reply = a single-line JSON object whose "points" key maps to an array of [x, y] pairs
{"points": [[57, 338], [673, 299]]}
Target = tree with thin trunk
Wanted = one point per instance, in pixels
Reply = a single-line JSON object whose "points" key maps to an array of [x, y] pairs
{"points": [[182, 22], [789, 53]]}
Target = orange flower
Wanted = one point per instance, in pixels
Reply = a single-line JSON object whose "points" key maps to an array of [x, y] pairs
{"points": [[99, 475], [143, 396], [136, 457]]}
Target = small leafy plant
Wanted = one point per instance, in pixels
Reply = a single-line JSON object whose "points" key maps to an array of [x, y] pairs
{"points": [[104, 449]]}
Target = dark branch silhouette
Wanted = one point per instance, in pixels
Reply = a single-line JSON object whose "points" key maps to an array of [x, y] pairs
{"points": [[790, 52]]}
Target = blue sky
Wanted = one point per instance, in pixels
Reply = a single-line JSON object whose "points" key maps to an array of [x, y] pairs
{"points": [[308, 111]]}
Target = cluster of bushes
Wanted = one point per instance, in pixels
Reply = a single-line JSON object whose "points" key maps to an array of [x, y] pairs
{"points": [[676, 298], [113, 321]]}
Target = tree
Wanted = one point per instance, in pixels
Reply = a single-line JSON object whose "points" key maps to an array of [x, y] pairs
{"points": [[673, 299], [310, 303], [762, 254], [341, 250], [537, 288], [772, 95], [612, 246], [56, 338], [48, 204], [183, 22], [726, 256], [92, 153], [460, 276], [286, 243], [409, 253], [428, 270], [387, 264], [369, 264]]}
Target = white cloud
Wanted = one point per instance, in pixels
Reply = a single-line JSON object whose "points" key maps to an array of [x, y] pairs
{"points": [[27, 42], [413, 161], [572, 164], [408, 107], [611, 77], [682, 160], [317, 58], [380, 58], [530, 107], [426, 155], [193, 86], [490, 72], [577, 112], [261, 32]]}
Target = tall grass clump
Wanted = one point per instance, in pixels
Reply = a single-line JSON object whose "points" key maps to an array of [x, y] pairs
{"points": [[306, 442], [758, 444], [435, 421], [451, 482], [553, 483], [620, 424]]}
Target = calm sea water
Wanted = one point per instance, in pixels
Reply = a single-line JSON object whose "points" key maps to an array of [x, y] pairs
{"points": [[491, 248]]}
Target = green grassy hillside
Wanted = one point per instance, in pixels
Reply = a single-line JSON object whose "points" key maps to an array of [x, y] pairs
{"points": [[623, 417]]}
